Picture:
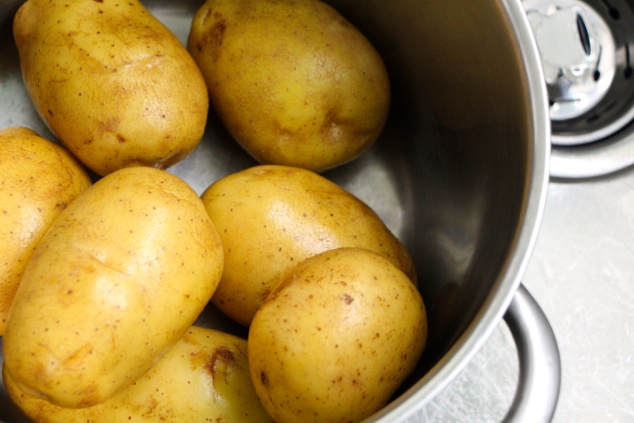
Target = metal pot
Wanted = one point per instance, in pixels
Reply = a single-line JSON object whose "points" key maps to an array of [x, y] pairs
{"points": [[459, 175]]}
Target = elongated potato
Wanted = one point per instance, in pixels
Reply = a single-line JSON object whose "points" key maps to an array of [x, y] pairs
{"points": [[119, 277], [272, 217], [38, 179], [204, 378], [111, 82]]}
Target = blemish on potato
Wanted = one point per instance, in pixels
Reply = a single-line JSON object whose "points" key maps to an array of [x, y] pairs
{"points": [[216, 34], [222, 355], [264, 378], [347, 298]]}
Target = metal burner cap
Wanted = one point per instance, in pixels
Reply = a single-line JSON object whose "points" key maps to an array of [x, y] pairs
{"points": [[586, 51], [577, 52]]}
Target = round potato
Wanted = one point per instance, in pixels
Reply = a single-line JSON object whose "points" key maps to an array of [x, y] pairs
{"points": [[118, 278], [111, 82], [38, 179], [294, 82], [204, 378], [336, 338], [271, 217]]}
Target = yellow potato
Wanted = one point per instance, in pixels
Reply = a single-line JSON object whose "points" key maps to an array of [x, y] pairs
{"points": [[38, 179], [271, 217], [294, 82], [119, 277], [204, 378], [111, 82], [336, 338]]}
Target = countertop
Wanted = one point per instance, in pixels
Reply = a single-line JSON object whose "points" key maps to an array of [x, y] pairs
{"points": [[581, 273]]}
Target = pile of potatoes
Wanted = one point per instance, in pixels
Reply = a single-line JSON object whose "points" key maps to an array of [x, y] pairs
{"points": [[109, 260]]}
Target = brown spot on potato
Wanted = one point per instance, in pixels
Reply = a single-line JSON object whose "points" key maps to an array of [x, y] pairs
{"points": [[111, 125], [346, 298], [218, 31], [215, 36], [264, 378], [264, 294], [222, 355]]}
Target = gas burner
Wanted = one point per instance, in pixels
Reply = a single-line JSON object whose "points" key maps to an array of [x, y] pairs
{"points": [[587, 54]]}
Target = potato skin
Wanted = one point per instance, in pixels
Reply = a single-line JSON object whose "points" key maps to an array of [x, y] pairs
{"points": [[336, 338], [38, 179], [271, 217], [293, 81], [204, 377], [121, 274], [111, 82]]}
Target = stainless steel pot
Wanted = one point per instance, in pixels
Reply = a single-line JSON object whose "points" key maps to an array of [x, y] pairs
{"points": [[459, 174]]}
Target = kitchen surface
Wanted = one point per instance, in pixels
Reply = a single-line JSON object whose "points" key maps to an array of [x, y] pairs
{"points": [[582, 275]]}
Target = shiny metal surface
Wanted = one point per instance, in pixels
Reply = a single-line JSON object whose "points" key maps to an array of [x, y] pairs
{"points": [[586, 47], [577, 51], [459, 174], [593, 160], [592, 120], [587, 50], [540, 364]]}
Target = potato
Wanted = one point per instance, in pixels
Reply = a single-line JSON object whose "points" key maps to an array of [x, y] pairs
{"points": [[271, 217], [121, 274], [204, 377], [111, 82], [293, 82], [336, 338], [38, 179]]}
